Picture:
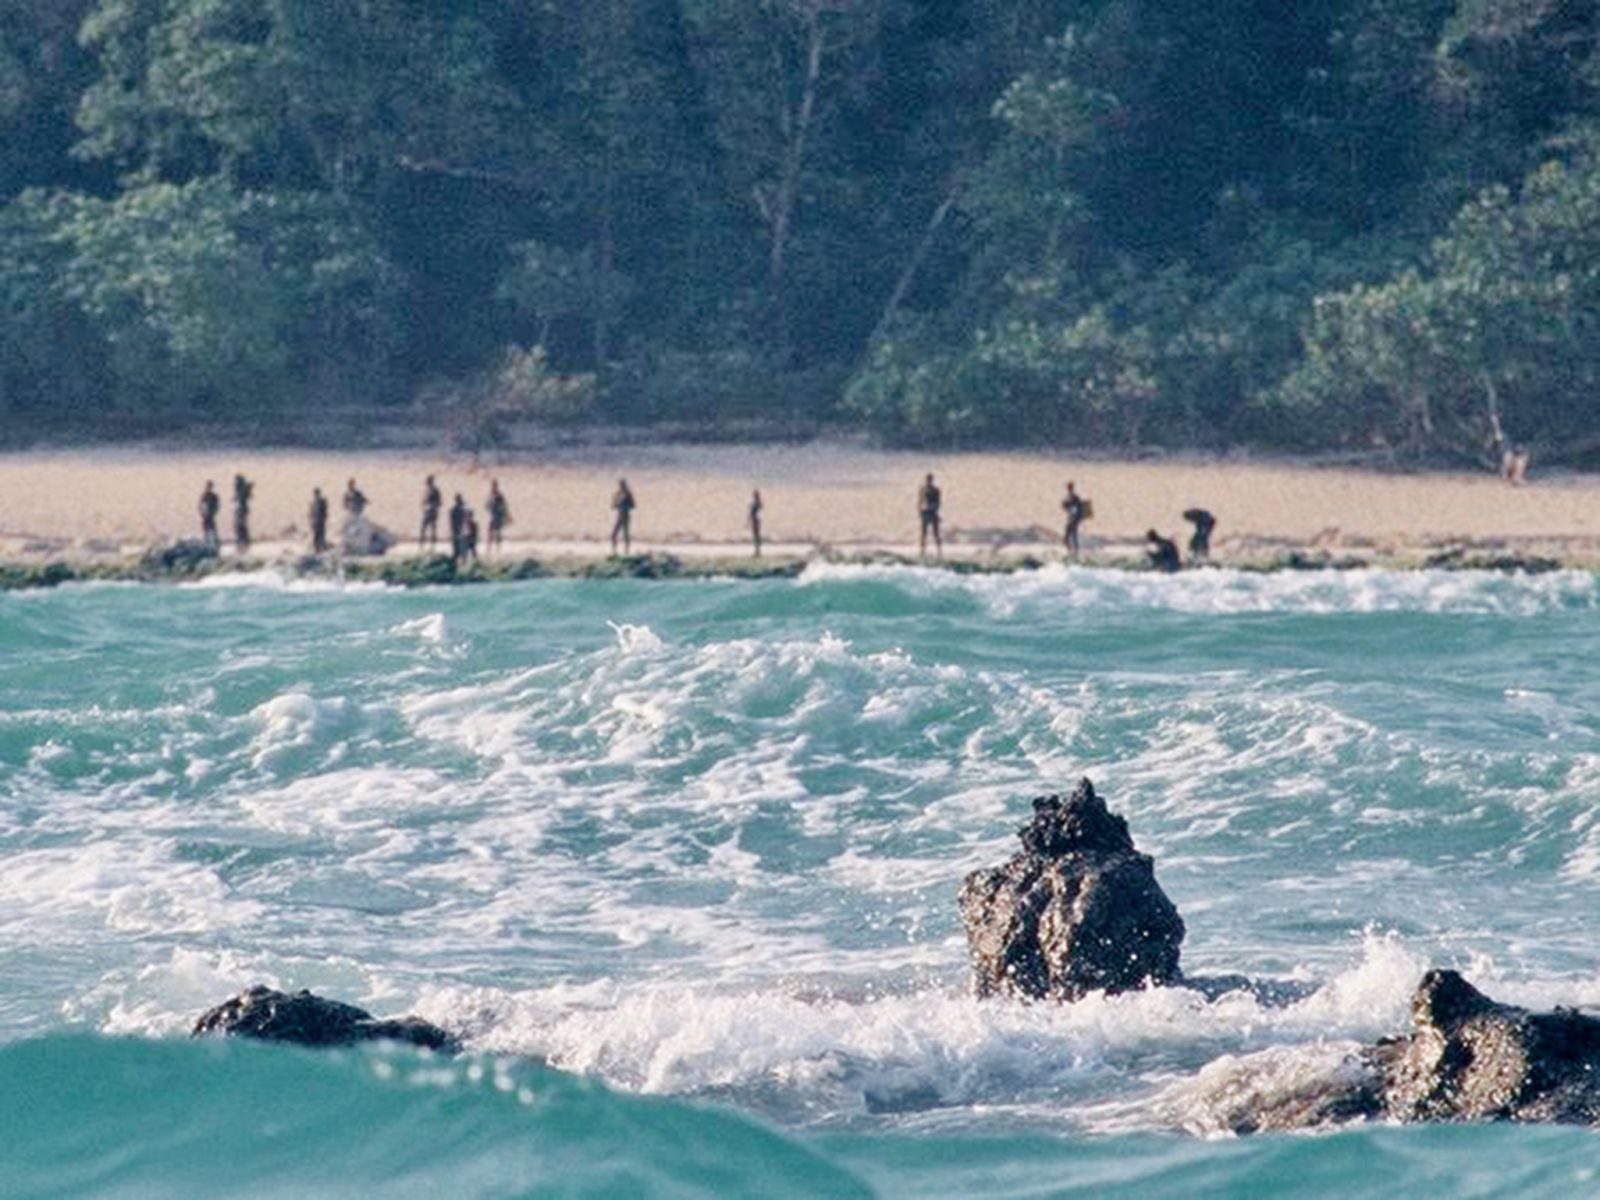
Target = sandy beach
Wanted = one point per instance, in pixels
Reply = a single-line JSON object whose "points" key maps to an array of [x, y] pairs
{"points": [[694, 499]]}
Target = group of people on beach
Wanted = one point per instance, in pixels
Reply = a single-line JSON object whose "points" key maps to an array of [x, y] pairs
{"points": [[463, 522], [464, 531], [1162, 552], [211, 504]]}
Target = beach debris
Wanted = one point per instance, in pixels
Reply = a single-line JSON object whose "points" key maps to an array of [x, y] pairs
{"points": [[1077, 910], [358, 535], [1470, 1058], [309, 1020]]}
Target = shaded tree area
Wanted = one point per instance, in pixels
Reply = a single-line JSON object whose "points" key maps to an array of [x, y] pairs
{"points": [[1357, 224]]}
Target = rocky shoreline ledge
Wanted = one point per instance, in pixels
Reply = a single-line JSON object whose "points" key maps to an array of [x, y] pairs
{"points": [[183, 562]]}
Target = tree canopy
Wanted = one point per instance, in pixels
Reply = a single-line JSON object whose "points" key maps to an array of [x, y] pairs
{"points": [[1357, 224]]}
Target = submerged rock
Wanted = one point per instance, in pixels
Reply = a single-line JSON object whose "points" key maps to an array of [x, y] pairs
{"points": [[1077, 910], [1285, 1088], [1469, 1059], [309, 1020]]}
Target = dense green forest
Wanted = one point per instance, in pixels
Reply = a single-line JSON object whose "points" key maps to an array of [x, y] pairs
{"points": [[1367, 225]]}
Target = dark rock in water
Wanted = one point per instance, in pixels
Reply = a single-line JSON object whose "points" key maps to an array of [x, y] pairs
{"points": [[308, 1020], [1077, 910], [1472, 1058]]}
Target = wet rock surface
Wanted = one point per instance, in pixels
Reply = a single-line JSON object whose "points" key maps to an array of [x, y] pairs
{"points": [[1077, 910], [310, 1020], [1470, 1058]]}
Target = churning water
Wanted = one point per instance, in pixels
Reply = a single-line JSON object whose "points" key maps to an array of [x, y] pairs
{"points": [[681, 861]]}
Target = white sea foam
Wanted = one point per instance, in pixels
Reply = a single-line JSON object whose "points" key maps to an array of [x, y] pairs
{"points": [[636, 639], [290, 724], [430, 629], [271, 579], [1229, 591], [123, 886], [848, 1053]]}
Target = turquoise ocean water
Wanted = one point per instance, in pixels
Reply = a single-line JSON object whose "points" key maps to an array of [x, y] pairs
{"points": [[681, 861]]}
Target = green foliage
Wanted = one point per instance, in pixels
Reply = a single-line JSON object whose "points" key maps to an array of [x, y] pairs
{"points": [[1494, 339], [201, 296], [545, 283], [1362, 223], [522, 387]]}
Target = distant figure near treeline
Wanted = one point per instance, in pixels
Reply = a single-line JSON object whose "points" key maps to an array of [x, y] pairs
{"points": [[243, 489], [432, 500], [210, 502], [755, 519], [623, 504], [1200, 543], [929, 498], [1163, 552], [319, 521], [1078, 510], [499, 515], [1514, 465]]}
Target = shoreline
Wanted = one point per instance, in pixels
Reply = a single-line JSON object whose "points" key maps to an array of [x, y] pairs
{"points": [[97, 513], [409, 567]]}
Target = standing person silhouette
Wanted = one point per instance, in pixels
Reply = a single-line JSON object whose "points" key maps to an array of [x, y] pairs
{"points": [[355, 500], [499, 515], [755, 519], [928, 500], [458, 526], [623, 503], [432, 500], [1078, 510], [243, 489], [210, 502], [319, 521]]}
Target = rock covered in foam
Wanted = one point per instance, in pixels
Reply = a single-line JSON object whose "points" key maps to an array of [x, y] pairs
{"points": [[1077, 910], [309, 1020], [1470, 1058]]}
